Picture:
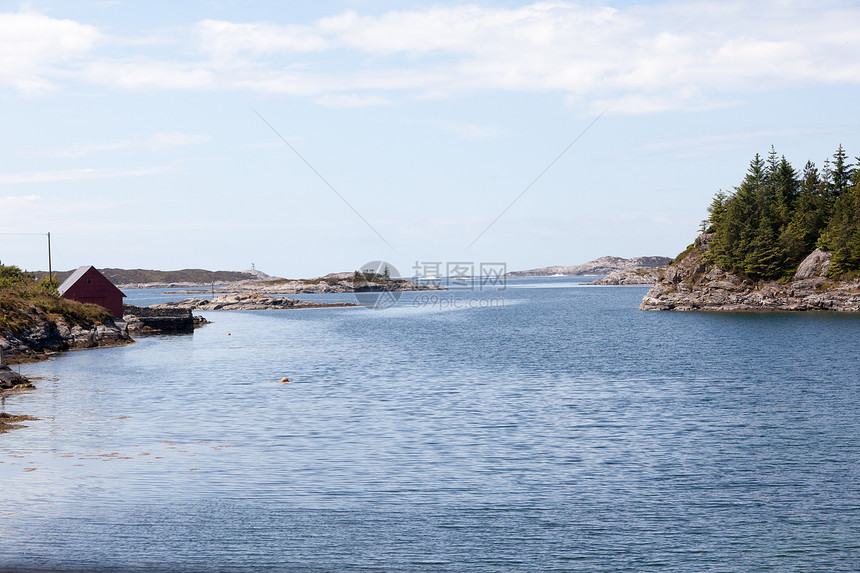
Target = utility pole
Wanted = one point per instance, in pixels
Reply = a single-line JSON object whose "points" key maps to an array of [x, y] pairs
{"points": [[50, 274], [50, 270]]}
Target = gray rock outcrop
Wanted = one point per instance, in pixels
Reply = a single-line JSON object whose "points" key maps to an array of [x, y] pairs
{"points": [[815, 265]]}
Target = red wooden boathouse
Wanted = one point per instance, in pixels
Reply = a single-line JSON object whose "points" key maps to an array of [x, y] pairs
{"points": [[88, 285]]}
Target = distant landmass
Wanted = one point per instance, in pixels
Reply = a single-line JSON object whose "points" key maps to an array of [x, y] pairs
{"points": [[126, 277], [598, 267]]}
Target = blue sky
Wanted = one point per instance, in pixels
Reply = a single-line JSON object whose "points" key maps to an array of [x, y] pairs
{"points": [[130, 129]]}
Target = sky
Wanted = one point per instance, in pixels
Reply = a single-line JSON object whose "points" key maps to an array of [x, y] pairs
{"points": [[313, 137]]}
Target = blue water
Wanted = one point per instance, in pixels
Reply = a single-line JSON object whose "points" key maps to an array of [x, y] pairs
{"points": [[550, 427]]}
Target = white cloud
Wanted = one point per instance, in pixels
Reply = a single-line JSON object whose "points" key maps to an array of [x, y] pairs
{"points": [[77, 175], [10, 202], [350, 100], [228, 40], [154, 142], [722, 143], [32, 45], [85, 149], [640, 59], [148, 74], [471, 131], [171, 139]]}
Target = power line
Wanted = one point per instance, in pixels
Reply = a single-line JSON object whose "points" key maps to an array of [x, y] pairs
{"points": [[50, 270]]}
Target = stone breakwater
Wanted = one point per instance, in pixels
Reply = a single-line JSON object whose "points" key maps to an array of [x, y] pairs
{"points": [[145, 319], [249, 301], [692, 284]]}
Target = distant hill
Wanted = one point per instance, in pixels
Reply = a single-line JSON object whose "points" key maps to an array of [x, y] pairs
{"points": [[598, 267], [144, 276]]}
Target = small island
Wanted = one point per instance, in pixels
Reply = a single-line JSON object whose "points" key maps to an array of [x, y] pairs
{"points": [[783, 240]]}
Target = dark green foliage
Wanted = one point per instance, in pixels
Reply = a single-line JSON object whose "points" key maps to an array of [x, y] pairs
{"points": [[776, 217], [13, 277]]}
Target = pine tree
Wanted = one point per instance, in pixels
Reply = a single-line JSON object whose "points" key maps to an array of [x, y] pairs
{"points": [[775, 218], [840, 176]]}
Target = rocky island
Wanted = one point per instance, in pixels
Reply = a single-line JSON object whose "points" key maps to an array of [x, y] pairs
{"points": [[333, 283], [780, 242], [597, 267], [245, 301]]}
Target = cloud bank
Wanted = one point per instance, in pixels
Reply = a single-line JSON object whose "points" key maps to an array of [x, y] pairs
{"points": [[641, 59]]}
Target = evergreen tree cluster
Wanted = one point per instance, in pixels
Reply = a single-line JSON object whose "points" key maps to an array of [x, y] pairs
{"points": [[777, 216]]}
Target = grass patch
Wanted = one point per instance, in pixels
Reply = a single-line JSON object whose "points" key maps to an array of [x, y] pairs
{"points": [[683, 254]]}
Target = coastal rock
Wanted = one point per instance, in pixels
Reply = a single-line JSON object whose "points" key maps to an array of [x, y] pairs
{"points": [[691, 283], [815, 265], [47, 337], [631, 277], [245, 301], [10, 379]]}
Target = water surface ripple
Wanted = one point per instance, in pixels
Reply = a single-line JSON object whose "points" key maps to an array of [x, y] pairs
{"points": [[561, 431]]}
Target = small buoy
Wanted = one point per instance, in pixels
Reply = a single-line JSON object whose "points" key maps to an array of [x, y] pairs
{"points": [[285, 380], [228, 334]]}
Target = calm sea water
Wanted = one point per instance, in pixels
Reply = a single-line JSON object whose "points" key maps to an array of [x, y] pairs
{"points": [[551, 427]]}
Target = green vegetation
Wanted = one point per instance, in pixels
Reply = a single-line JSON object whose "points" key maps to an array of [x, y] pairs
{"points": [[371, 276], [24, 301], [777, 216]]}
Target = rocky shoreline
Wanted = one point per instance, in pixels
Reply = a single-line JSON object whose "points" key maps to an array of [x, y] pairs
{"points": [[48, 338], [691, 284]]}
